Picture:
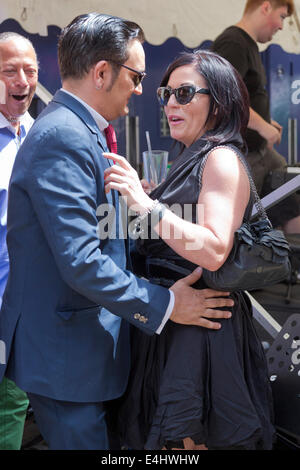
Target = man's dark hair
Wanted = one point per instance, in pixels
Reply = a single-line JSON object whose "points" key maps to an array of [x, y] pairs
{"points": [[93, 37], [229, 99]]}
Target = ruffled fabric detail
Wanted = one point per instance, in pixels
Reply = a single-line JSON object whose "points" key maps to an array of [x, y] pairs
{"points": [[262, 233]]}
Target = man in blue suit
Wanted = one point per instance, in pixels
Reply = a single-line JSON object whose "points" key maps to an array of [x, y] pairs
{"points": [[70, 296]]}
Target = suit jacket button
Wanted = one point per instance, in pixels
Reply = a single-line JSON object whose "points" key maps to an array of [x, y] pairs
{"points": [[137, 316], [143, 319]]}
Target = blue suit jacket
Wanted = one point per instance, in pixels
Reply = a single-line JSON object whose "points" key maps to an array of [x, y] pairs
{"points": [[61, 339]]}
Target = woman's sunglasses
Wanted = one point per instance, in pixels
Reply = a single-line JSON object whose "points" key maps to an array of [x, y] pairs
{"points": [[183, 94]]}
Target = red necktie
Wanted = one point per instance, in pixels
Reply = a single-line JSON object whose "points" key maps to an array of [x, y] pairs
{"points": [[111, 138]]}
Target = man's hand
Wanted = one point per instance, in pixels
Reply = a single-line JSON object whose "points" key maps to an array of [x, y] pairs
{"points": [[196, 306], [278, 127], [271, 134]]}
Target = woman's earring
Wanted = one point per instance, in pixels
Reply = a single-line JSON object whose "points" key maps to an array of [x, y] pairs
{"points": [[98, 87]]}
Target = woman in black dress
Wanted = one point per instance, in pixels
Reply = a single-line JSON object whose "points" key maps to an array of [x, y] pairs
{"points": [[191, 387]]}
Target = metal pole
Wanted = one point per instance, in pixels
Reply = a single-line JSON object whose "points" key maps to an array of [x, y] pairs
{"points": [[279, 194], [264, 318]]}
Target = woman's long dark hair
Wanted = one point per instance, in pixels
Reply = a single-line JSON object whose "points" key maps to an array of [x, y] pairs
{"points": [[229, 99]]}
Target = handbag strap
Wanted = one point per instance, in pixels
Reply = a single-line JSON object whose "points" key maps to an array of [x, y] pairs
{"points": [[259, 207]]}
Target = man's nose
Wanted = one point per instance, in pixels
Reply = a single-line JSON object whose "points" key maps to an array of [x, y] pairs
{"points": [[21, 78], [139, 89]]}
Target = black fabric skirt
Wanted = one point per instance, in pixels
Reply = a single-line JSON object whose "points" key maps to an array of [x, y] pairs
{"points": [[209, 385]]}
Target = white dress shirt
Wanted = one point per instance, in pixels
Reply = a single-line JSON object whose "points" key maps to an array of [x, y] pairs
{"points": [[10, 142]]}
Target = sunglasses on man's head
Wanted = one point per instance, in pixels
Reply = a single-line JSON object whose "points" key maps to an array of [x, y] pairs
{"points": [[183, 94]]}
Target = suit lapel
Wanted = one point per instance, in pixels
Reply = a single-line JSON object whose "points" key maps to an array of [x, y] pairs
{"points": [[83, 114]]}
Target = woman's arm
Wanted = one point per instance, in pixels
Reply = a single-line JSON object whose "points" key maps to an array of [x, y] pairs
{"points": [[221, 206]]}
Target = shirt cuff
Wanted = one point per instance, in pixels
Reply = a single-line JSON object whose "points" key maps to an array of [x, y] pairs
{"points": [[168, 313]]}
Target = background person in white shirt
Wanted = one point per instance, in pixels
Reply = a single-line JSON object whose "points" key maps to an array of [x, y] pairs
{"points": [[18, 80]]}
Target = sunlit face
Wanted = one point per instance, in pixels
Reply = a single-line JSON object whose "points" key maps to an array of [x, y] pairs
{"points": [[18, 76], [119, 93], [274, 22], [187, 122]]}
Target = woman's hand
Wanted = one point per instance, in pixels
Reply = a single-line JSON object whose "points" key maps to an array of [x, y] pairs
{"points": [[122, 177]]}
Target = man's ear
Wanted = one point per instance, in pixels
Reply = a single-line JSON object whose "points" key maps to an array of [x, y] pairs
{"points": [[100, 72], [266, 7]]}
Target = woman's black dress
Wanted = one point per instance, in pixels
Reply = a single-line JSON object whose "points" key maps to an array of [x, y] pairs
{"points": [[189, 381]]}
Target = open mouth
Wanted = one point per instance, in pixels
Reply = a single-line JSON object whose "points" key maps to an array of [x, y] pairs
{"points": [[19, 97], [174, 119]]}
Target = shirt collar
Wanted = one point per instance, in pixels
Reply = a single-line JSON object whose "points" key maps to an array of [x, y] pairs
{"points": [[25, 122], [100, 121]]}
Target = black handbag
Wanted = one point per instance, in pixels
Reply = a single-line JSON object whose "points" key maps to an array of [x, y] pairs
{"points": [[259, 257]]}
